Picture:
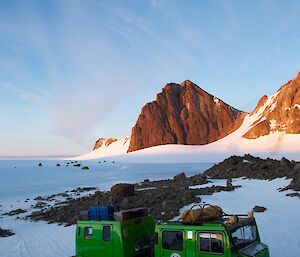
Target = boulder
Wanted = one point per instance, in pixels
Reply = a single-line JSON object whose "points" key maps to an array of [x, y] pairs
{"points": [[293, 194], [257, 208], [180, 176], [229, 184], [122, 190], [5, 233]]}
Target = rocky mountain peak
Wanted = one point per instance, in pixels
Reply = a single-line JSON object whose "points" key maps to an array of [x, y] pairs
{"points": [[182, 114], [278, 113]]}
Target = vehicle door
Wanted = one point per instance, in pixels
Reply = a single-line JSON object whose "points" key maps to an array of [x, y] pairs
{"points": [[106, 240], [211, 244], [88, 241], [172, 243]]}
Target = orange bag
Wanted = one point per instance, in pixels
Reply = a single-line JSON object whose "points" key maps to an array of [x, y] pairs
{"points": [[202, 214]]}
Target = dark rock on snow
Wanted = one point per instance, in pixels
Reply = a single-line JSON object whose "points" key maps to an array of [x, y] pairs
{"points": [[259, 209], [6, 233], [180, 176], [256, 168], [163, 201], [15, 212]]}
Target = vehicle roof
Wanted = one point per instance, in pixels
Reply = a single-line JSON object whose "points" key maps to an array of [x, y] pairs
{"points": [[221, 224], [112, 222]]}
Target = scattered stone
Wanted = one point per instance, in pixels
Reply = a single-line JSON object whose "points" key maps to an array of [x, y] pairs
{"points": [[77, 165], [259, 209], [85, 168], [146, 180], [164, 200], [229, 183], [180, 176], [6, 233], [57, 165], [293, 194], [40, 164], [15, 212], [40, 205]]}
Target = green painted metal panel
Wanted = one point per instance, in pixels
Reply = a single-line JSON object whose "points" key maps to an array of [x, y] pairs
{"points": [[126, 238]]}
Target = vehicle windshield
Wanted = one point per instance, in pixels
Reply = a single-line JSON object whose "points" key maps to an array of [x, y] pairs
{"points": [[244, 236]]}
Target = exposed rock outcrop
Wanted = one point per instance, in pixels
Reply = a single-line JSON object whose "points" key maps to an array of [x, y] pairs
{"points": [[256, 168], [163, 199], [280, 112], [104, 141], [183, 114]]}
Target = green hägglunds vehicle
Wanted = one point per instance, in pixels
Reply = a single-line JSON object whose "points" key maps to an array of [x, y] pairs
{"points": [[129, 233], [133, 233]]}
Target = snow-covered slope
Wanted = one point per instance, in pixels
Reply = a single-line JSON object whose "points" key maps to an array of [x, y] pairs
{"points": [[120, 146], [271, 130], [275, 145]]}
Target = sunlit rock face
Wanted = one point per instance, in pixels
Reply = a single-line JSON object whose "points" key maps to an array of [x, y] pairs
{"points": [[104, 141], [280, 112], [183, 114]]}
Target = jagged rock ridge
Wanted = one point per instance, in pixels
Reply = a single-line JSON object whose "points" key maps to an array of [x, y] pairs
{"points": [[104, 141], [280, 112], [183, 114]]}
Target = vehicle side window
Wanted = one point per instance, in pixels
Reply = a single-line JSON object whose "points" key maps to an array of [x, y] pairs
{"points": [[210, 243], [88, 233], [106, 233], [172, 240]]}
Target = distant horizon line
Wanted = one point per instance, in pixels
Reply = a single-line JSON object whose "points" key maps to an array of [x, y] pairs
{"points": [[32, 157]]}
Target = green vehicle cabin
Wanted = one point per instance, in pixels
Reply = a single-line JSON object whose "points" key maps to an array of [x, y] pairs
{"points": [[211, 239], [128, 238]]}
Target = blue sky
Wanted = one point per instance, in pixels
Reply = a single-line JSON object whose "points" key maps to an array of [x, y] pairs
{"points": [[73, 71]]}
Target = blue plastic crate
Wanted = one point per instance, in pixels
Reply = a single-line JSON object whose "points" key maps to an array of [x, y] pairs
{"points": [[101, 213]]}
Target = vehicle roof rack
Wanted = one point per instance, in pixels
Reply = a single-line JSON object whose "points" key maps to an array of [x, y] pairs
{"points": [[224, 215]]}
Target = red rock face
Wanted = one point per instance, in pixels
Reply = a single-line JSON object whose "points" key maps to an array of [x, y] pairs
{"points": [[104, 141], [183, 114], [278, 113]]}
